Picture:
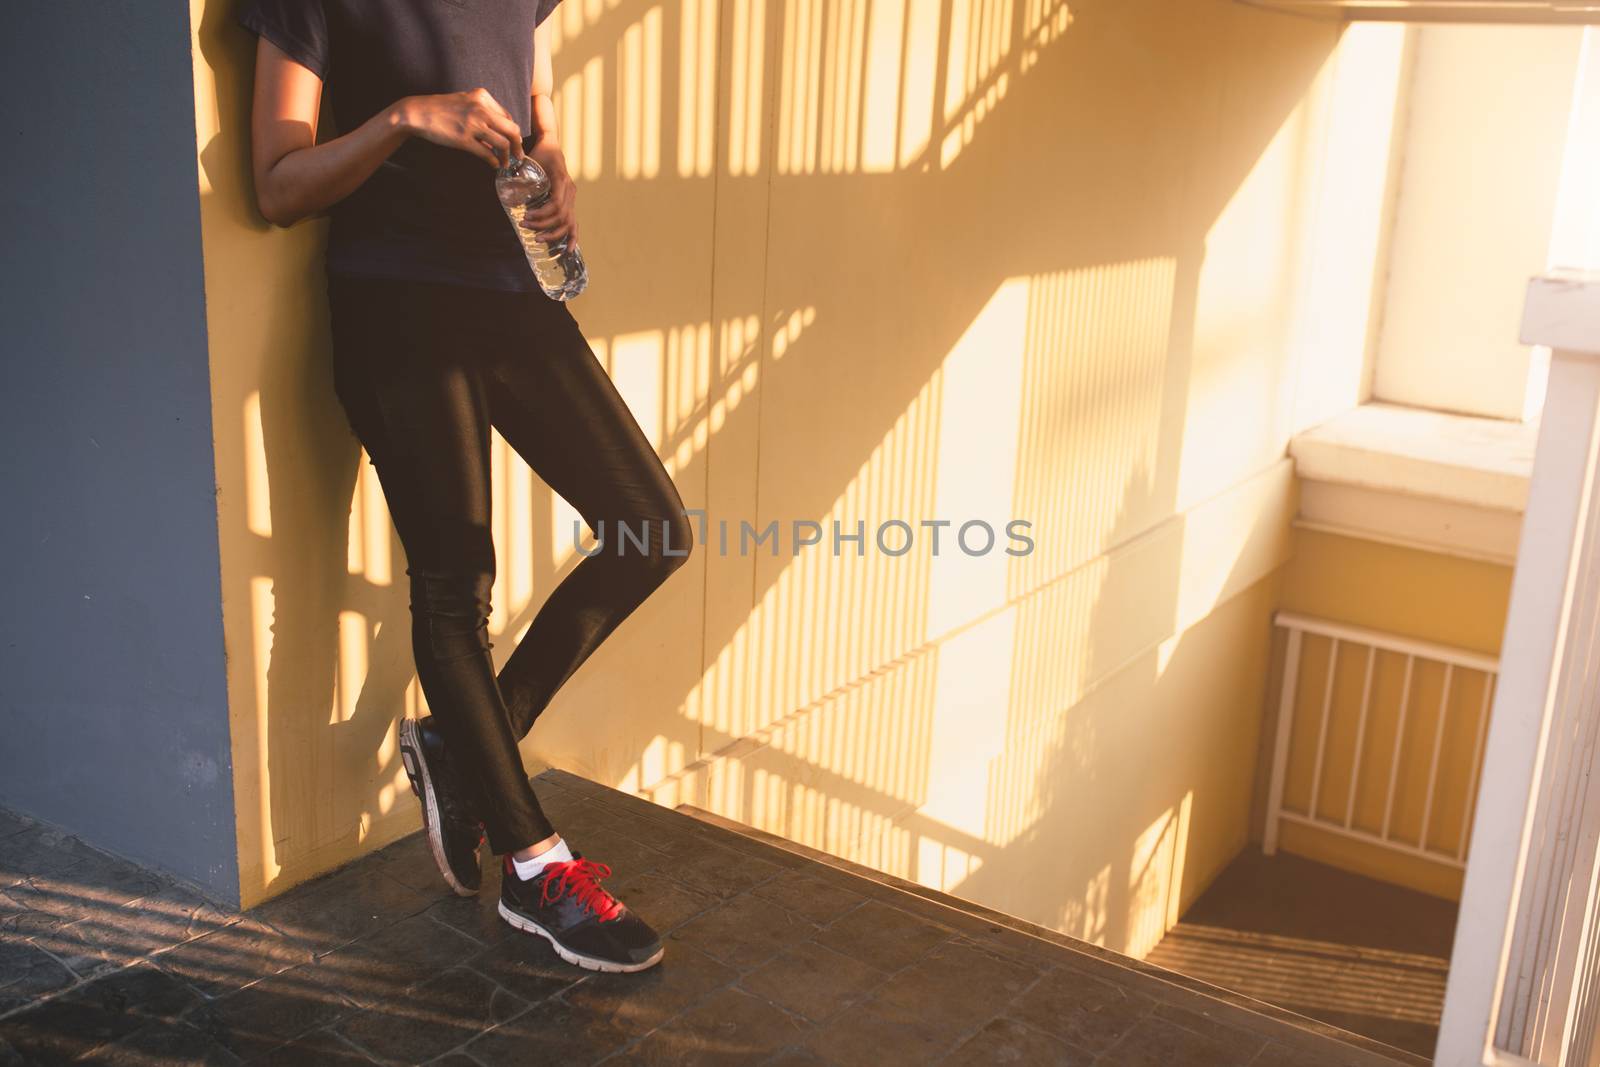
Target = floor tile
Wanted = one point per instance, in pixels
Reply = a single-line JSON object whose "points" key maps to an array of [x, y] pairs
{"points": [[1314, 1052], [410, 862], [68, 1026], [340, 909], [810, 898], [744, 932], [1158, 1042], [795, 1057], [319, 1048], [259, 1018], [730, 1027], [157, 922], [958, 985], [142, 990], [1080, 1010], [76, 945], [232, 957], [28, 971], [19, 922], [1241, 1044], [812, 980], [166, 1045], [476, 916], [636, 1003], [562, 1034], [885, 937], [526, 966], [96, 1013], [871, 1033], [437, 1017], [1006, 1041], [39, 850], [92, 887], [386, 964], [12, 823], [720, 871]]}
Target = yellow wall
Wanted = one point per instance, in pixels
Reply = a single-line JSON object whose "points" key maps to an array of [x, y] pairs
{"points": [[1412, 593], [973, 260]]}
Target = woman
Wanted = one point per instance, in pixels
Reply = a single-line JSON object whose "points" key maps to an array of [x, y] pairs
{"points": [[440, 331]]}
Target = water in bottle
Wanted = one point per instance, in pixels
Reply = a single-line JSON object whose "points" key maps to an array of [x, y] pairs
{"points": [[523, 186]]}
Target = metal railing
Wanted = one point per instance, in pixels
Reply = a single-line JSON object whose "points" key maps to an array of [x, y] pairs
{"points": [[1366, 774]]}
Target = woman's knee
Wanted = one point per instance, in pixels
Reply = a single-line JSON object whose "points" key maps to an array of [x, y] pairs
{"points": [[450, 609], [658, 544]]}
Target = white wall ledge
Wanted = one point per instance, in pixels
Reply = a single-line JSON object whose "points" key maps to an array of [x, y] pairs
{"points": [[1427, 479]]}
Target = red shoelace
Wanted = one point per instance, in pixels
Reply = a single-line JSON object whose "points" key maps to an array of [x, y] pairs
{"points": [[580, 879]]}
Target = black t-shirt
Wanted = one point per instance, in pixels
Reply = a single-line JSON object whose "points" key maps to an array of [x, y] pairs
{"points": [[429, 212]]}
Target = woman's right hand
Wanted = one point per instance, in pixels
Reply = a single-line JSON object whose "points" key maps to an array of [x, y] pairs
{"points": [[472, 121]]}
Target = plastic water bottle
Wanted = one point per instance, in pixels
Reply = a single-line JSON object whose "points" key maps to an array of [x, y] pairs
{"points": [[522, 187]]}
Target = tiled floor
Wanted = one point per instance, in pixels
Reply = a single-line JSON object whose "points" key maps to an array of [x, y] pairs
{"points": [[773, 957], [1354, 952]]}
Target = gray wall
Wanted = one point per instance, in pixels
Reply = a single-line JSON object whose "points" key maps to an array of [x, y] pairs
{"points": [[113, 707]]}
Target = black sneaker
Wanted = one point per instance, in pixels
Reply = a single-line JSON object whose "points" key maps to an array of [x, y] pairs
{"points": [[454, 834], [565, 905]]}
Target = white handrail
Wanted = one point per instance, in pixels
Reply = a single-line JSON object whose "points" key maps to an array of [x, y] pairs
{"points": [[1520, 989]]}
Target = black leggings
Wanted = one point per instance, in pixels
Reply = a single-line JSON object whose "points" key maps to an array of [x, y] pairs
{"points": [[423, 370]]}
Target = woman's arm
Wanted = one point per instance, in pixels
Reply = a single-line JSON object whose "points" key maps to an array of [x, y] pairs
{"points": [[558, 217], [295, 177]]}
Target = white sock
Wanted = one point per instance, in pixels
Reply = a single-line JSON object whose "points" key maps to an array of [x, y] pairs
{"points": [[557, 853]]}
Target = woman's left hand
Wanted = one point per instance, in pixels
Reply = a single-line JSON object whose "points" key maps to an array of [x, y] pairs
{"points": [[557, 218]]}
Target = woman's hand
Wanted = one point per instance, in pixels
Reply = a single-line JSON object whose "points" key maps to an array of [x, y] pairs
{"points": [[472, 121], [557, 218]]}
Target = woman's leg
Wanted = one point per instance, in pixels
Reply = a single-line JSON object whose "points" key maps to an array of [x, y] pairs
{"points": [[416, 397], [554, 403]]}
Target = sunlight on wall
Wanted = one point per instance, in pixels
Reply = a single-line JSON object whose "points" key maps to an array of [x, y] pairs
{"points": [[1155, 878], [257, 487], [1454, 292], [697, 89], [353, 665], [1351, 132], [368, 552], [261, 611], [981, 383], [1576, 238], [580, 102], [859, 81], [924, 743], [980, 39], [639, 98], [1094, 382], [746, 91], [1242, 316]]}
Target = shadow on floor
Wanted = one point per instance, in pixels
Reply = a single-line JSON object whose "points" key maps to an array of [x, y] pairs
{"points": [[1364, 955], [772, 957]]}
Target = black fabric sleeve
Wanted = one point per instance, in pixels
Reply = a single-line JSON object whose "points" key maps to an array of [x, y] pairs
{"points": [[543, 11], [298, 27]]}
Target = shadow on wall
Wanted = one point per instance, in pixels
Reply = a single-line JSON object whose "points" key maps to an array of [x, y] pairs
{"points": [[856, 263]]}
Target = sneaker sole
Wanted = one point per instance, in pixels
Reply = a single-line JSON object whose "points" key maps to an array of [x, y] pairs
{"points": [[588, 963], [422, 785]]}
